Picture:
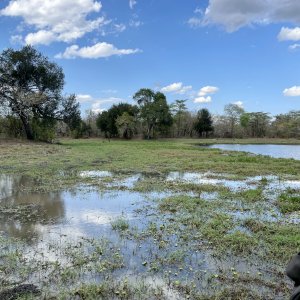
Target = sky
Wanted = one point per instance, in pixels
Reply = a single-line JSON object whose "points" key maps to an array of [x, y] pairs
{"points": [[209, 52]]}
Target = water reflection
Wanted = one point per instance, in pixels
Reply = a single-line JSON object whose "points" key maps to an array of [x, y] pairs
{"points": [[277, 151], [22, 212]]}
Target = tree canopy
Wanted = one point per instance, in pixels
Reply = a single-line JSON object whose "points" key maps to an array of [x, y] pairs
{"points": [[204, 122], [154, 110], [31, 88]]}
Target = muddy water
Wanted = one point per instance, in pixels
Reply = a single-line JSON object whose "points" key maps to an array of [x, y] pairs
{"points": [[45, 219], [276, 151]]}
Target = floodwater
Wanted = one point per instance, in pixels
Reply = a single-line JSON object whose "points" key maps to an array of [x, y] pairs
{"points": [[276, 151], [86, 212]]}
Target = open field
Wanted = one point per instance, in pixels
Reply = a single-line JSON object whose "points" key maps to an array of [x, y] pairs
{"points": [[184, 222]]}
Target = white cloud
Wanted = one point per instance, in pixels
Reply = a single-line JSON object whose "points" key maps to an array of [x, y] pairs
{"points": [[289, 34], [195, 22], [292, 91], [203, 93], [202, 99], [120, 27], [98, 50], [55, 20], [208, 90], [16, 39], [135, 23], [174, 87], [82, 98], [234, 14], [294, 47], [132, 3], [239, 103], [177, 88], [97, 105]]}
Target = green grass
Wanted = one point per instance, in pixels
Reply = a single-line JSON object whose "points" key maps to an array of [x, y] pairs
{"points": [[289, 202], [55, 166], [180, 225]]}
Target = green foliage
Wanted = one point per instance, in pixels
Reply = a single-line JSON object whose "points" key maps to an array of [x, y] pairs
{"points": [[289, 202], [154, 111], [204, 123], [106, 120], [30, 88], [126, 125], [43, 129], [255, 123], [11, 126]]}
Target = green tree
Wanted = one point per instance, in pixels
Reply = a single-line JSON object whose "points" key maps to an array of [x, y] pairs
{"points": [[154, 111], [31, 87], [233, 112], [126, 125], [287, 125], [106, 120], [255, 123], [178, 109], [204, 123]]}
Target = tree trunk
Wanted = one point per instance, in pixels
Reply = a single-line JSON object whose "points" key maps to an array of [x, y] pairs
{"points": [[27, 127]]}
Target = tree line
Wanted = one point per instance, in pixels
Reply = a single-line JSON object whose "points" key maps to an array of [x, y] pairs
{"points": [[32, 106], [152, 117]]}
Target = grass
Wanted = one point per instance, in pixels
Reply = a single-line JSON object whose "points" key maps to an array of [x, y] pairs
{"points": [[289, 202], [196, 243], [56, 166]]}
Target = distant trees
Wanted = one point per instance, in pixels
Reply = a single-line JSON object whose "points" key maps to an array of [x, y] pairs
{"points": [[107, 120], [31, 90], [179, 110], [256, 124], [233, 113], [204, 123], [287, 125], [154, 111]]}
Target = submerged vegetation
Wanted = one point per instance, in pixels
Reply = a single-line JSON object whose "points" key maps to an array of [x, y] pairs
{"points": [[92, 219]]}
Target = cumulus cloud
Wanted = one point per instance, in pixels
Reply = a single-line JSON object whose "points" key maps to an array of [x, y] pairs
{"points": [[97, 105], [234, 14], [202, 96], [289, 34], [132, 3], [208, 90], [294, 47], [82, 98], [177, 88], [239, 103], [202, 99], [292, 91], [98, 50], [63, 21]]}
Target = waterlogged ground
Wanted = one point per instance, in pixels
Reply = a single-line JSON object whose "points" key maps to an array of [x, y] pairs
{"points": [[277, 151], [148, 235]]}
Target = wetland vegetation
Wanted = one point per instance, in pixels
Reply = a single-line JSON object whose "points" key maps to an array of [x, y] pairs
{"points": [[92, 219]]}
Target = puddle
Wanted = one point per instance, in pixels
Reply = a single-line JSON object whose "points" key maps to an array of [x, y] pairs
{"points": [[46, 221], [276, 151]]}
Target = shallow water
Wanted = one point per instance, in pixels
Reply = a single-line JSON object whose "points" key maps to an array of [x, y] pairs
{"points": [[45, 221], [276, 151]]}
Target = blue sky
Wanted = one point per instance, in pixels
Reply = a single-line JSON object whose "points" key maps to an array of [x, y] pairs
{"points": [[210, 52]]}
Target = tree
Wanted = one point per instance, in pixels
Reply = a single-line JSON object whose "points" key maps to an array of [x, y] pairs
{"points": [[106, 121], [204, 122], [126, 125], [287, 125], [255, 123], [31, 87], [233, 113], [178, 109], [154, 110]]}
